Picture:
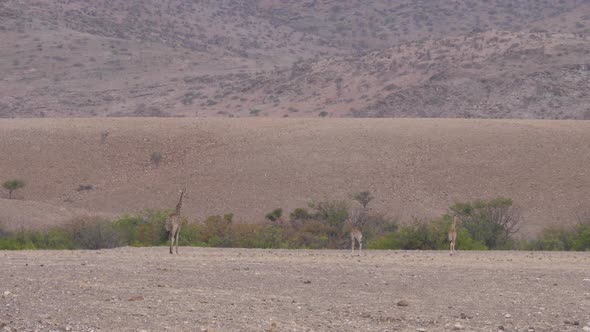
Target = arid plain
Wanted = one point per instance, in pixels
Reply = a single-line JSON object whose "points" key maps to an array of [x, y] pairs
{"points": [[413, 167], [207, 289]]}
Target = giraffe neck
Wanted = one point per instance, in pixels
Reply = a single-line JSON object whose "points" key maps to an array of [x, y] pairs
{"points": [[179, 205]]}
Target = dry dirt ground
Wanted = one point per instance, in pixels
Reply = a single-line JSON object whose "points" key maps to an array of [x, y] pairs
{"points": [[146, 289]]}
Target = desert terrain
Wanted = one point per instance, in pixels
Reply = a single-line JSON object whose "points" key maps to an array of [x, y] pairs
{"points": [[413, 167], [146, 289], [263, 58]]}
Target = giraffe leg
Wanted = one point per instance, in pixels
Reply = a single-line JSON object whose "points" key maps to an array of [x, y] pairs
{"points": [[177, 237], [360, 247], [172, 237], [352, 245]]}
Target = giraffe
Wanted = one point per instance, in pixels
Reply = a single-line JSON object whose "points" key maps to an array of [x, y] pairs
{"points": [[453, 235], [173, 223], [355, 234]]}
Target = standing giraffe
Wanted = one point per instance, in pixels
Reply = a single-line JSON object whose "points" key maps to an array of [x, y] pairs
{"points": [[356, 217], [453, 235], [355, 234], [173, 223]]}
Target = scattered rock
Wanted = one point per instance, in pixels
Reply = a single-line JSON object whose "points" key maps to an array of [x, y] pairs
{"points": [[507, 316], [273, 327], [421, 329], [136, 298], [586, 328], [458, 326], [307, 282], [501, 328], [6, 293], [403, 303], [571, 322]]}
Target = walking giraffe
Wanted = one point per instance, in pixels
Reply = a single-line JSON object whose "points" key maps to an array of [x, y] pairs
{"points": [[173, 223]]}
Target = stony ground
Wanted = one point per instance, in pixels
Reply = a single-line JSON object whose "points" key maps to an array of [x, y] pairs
{"points": [[146, 289]]}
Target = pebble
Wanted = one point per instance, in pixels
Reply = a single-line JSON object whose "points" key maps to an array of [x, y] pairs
{"points": [[507, 316], [403, 303], [458, 326], [586, 328], [421, 329], [136, 298], [6, 293]]}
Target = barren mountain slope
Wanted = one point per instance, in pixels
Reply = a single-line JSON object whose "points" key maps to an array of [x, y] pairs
{"points": [[496, 74], [236, 58], [250, 166]]}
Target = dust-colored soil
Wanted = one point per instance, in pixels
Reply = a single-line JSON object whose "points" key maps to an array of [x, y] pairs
{"points": [[413, 167], [131, 289]]}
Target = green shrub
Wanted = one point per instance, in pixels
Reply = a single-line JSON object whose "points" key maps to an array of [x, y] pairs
{"points": [[466, 242], [94, 233], [274, 215], [423, 235], [334, 213], [490, 222], [363, 197], [389, 240], [552, 238], [12, 185], [300, 214], [582, 236]]}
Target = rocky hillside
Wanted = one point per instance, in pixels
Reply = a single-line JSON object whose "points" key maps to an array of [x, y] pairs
{"points": [[379, 58]]}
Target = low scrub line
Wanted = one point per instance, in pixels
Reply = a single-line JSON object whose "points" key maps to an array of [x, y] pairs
{"points": [[483, 225]]}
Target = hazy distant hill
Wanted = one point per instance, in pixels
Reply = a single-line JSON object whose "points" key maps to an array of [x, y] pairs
{"points": [[381, 58]]}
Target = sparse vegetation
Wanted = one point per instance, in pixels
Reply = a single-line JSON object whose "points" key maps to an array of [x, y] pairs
{"points": [[254, 112], [490, 222], [156, 159], [562, 238], [363, 197], [85, 187], [12, 185], [274, 215]]}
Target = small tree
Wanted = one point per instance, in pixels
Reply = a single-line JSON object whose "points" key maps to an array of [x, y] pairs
{"points": [[274, 215], [12, 185], [156, 158], [363, 197], [491, 222]]}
